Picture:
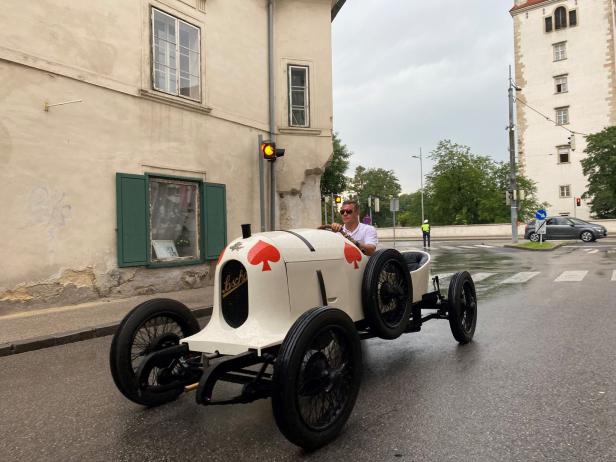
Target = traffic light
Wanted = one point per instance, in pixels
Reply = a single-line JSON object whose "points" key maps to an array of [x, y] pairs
{"points": [[270, 151], [337, 199], [578, 201], [571, 141]]}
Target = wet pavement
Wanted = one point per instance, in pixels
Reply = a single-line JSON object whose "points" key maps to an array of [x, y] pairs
{"points": [[538, 383]]}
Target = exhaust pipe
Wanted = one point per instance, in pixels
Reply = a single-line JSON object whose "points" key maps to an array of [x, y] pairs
{"points": [[246, 233]]}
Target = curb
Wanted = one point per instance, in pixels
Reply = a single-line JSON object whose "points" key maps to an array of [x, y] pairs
{"points": [[62, 338], [556, 246]]}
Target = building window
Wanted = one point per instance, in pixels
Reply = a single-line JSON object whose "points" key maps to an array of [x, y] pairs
{"points": [[562, 115], [563, 154], [548, 24], [174, 220], [572, 18], [168, 220], [560, 18], [560, 83], [299, 108], [565, 190], [176, 56], [560, 51]]}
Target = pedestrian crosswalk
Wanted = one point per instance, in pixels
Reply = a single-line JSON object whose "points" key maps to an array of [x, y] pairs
{"points": [[525, 276]]}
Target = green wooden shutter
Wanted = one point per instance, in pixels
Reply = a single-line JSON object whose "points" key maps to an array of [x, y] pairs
{"points": [[131, 196], [214, 219]]}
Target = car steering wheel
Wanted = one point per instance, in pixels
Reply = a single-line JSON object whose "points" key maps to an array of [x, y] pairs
{"points": [[345, 235]]}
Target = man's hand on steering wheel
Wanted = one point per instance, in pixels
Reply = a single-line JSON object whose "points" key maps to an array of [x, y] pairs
{"points": [[338, 228]]}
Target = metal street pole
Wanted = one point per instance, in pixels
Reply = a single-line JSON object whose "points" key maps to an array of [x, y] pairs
{"points": [[512, 179], [420, 157], [333, 201], [261, 183]]}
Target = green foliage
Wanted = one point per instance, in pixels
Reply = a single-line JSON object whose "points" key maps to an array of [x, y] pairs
{"points": [[333, 179], [410, 208], [375, 182], [600, 168], [465, 188]]}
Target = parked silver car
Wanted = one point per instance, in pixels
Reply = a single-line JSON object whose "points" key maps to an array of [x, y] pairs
{"points": [[567, 228]]}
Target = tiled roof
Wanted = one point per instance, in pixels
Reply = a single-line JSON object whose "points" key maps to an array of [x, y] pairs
{"points": [[526, 4]]}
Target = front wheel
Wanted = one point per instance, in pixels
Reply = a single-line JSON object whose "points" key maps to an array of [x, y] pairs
{"points": [[462, 300], [587, 236], [316, 379], [533, 237], [151, 326]]}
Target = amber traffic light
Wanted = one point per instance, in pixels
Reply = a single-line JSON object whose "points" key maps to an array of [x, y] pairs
{"points": [[270, 152], [337, 199]]}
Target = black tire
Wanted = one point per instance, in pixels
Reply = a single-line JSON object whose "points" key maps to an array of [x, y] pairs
{"points": [[152, 325], [387, 293], [587, 236], [533, 237], [317, 375], [462, 306]]}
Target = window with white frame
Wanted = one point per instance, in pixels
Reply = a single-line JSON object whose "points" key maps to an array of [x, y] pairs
{"points": [[563, 154], [299, 97], [565, 190], [560, 51], [562, 115], [561, 84], [176, 56]]}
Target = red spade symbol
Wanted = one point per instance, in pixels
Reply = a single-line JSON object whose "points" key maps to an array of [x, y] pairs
{"points": [[263, 253], [220, 256], [352, 254]]}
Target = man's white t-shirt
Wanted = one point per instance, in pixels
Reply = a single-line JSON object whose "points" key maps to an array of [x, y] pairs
{"points": [[365, 234]]}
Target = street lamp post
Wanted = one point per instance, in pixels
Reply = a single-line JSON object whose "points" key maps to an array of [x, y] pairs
{"points": [[420, 157]]}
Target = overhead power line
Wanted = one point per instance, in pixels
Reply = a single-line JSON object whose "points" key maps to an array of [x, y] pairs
{"points": [[548, 118]]}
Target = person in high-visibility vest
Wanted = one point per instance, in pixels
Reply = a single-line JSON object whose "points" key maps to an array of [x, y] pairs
{"points": [[425, 228]]}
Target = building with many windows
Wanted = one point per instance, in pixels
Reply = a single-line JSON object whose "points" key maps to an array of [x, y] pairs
{"points": [[129, 137], [565, 67]]}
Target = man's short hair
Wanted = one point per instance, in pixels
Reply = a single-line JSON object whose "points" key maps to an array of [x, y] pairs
{"points": [[353, 203]]}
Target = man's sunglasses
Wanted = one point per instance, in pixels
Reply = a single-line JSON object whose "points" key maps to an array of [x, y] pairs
{"points": [[346, 211]]}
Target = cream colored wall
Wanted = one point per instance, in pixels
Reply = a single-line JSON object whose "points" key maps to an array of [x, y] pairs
{"points": [[590, 68], [58, 170]]}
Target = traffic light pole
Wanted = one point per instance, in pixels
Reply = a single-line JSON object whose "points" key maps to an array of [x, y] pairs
{"points": [[333, 202], [261, 184], [512, 166], [272, 121]]}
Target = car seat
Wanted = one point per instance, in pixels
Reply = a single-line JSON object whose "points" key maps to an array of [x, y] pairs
{"points": [[415, 260]]}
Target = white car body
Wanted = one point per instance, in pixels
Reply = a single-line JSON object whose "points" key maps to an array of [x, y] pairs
{"points": [[281, 270]]}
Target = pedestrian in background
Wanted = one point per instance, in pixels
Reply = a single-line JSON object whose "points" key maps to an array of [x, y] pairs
{"points": [[425, 229], [366, 220]]}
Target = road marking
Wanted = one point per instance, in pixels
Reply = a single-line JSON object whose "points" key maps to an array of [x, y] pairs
{"points": [[466, 247], [518, 278], [445, 275], [593, 251], [485, 246], [447, 247], [571, 276], [614, 275], [481, 276]]}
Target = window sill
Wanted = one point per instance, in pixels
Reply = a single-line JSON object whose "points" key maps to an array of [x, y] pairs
{"points": [[299, 131], [174, 101], [174, 263]]}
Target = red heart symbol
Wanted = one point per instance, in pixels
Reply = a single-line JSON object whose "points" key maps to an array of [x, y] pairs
{"points": [[263, 253], [352, 254]]}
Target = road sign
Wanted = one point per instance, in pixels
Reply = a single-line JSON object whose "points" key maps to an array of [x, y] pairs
{"points": [[377, 205], [394, 204], [541, 214], [540, 227]]}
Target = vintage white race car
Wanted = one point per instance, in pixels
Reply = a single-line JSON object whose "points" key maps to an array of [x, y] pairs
{"points": [[290, 308]]}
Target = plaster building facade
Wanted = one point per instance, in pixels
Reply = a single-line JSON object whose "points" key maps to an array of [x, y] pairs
{"points": [[128, 138], [565, 66]]}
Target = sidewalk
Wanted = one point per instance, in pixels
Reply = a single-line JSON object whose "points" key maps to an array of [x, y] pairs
{"points": [[42, 328]]}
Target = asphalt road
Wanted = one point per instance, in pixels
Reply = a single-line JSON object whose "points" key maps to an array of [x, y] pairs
{"points": [[537, 384]]}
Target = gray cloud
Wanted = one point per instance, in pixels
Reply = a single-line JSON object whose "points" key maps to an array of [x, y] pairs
{"points": [[409, 73]]}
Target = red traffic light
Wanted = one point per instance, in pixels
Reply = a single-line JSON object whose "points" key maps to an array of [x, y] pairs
{"points": [[270, 152], [578, 201]]}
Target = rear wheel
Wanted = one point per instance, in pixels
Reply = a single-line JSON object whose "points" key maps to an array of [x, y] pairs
{"points": [[151, 326], [533, 237], [587, 236], [462, 301], [387, 292], [316, 379]]}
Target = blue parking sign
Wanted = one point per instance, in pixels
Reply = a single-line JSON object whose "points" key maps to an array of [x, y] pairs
{"points": [[541, 214]]}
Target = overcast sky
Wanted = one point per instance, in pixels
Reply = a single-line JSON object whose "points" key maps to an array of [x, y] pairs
{"points": [[409, 73]]}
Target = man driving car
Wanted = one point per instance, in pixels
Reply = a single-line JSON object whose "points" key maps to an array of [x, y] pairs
{"points": [[364, 234]]}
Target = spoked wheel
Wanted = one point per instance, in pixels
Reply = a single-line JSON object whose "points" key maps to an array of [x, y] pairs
{"points": [[533, 237], [387, 293], [462, 300], [152, 326], [317, 375], [587, 236]]}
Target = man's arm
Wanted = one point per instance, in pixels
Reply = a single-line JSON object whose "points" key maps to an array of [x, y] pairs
{"points": [[369, 245]]}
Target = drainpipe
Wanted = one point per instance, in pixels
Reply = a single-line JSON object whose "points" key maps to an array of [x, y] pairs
{"points": [[272, 122]]}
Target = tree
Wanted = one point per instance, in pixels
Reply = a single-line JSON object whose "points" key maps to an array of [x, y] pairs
{"points": [[410, 208], [333, 180], [600, 168], [375, 182]]}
